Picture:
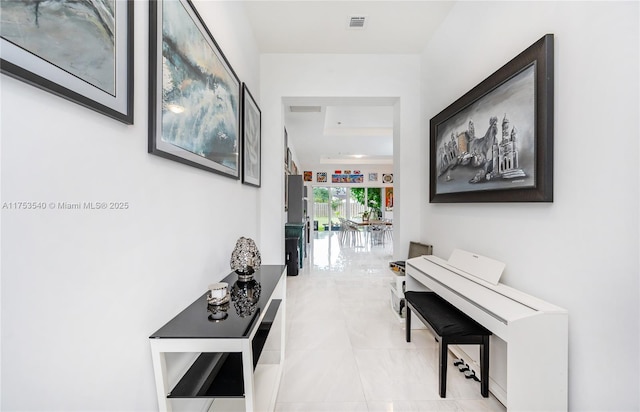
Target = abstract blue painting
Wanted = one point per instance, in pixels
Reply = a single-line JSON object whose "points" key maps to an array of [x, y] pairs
{"points": [[196, 108], [80, 50]]}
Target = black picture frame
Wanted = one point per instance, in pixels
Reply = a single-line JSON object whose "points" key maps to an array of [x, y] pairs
{"points": [[89, 62], [194, 93], [286, 147], [251, 139], [287, 154], [523, 85]]}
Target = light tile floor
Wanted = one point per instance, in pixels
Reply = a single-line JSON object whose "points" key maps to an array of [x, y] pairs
{"points": [[345, 349]]}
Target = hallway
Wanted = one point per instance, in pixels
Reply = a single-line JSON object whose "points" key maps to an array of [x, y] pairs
{"points": [[345, 349]]}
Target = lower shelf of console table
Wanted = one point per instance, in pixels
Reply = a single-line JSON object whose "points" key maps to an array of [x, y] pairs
{"points": [[239, 358]]}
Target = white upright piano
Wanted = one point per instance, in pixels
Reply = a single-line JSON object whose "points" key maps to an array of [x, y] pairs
{"points": [[534, 332]]}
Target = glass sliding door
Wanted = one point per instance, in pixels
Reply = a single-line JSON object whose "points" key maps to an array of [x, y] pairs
{"points": [[374, 202], [365, 200], [321, 208], [338, 206], [331, 204], [358, 202]]}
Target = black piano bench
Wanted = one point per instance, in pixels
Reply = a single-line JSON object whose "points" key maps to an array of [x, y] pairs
{"points": [[451, 326]]}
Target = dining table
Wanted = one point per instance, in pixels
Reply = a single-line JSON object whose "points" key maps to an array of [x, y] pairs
{"points": [[375, 231], [361, 222]]}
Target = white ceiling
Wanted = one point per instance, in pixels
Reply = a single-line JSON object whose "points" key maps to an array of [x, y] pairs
{"points": [[344, 131], [321, 26]]}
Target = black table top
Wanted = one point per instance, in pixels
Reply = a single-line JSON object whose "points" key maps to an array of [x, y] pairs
{"points": [[196, 321]]}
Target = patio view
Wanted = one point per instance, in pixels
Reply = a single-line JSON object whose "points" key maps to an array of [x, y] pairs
{"points": [[330, 204]]}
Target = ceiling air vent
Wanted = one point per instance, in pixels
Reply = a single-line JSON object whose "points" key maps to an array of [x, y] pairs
{"points": [[357, 22]]}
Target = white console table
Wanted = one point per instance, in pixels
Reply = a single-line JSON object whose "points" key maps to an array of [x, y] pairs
{"points": [[226, 371]]}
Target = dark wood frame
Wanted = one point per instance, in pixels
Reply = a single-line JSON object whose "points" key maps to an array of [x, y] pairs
{"points": [[540, 54], [155, 144], [114, 106], [249, 102]]}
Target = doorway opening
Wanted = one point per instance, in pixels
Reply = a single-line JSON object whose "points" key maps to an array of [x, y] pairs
{"points": [[344, 148]]}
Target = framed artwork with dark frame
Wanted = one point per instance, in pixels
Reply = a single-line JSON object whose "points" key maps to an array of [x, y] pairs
{"points": [[286, 147], [194, 94], [251, 139], [87, 60], [511, 157]]}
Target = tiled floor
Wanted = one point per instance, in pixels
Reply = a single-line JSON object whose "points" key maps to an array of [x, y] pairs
{"points": [[345, 349]]}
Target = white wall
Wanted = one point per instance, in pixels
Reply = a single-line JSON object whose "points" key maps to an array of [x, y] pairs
{"points": [[83, 290], [392, 79], [581, 251]]}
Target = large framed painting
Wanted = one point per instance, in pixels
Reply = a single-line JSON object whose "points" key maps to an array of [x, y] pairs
{"points": [[495, 143], [79, 50], [194, 94], [251, 138]]}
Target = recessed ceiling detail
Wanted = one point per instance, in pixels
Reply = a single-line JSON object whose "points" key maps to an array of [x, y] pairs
{"points": [[352, 160], [356, 131], [357, 22], [358, 121], [305, 109]]}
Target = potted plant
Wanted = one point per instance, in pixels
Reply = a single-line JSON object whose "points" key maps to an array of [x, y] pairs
{"points": [[374, 212], [365, 216]]}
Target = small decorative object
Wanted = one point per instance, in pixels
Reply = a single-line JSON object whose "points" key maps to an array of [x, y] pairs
{"points": [[365, 216], [218, 293], [387, 178], [373, 177], [218, 313], [245, 258], [245, 296], [321, 177]]}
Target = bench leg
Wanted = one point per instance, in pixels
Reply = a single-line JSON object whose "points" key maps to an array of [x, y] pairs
{"points": [[443, 349], [408, 324], [484, 366]]}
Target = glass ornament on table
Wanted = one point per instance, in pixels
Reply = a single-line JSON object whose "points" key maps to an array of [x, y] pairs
{"points": [[245, 258]]}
